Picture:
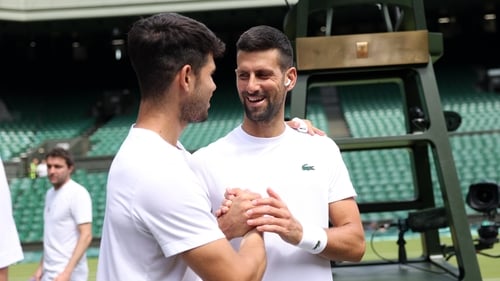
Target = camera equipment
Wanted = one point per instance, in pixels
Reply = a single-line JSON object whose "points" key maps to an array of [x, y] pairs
{"points": [[418, 119], [453, 120], [427, 219], [488, 235], [421, 123], [418, 221], [484, 197]]}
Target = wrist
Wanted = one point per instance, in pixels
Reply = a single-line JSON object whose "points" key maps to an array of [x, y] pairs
{"points": [[313, 240]]}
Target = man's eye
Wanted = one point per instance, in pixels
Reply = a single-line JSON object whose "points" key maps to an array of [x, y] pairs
{"points": [[264, 75]]}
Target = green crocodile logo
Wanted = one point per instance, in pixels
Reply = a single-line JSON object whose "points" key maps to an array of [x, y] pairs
{"points": [[307, 167]]}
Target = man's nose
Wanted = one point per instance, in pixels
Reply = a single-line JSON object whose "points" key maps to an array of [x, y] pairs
{"points": [[252, 85]]}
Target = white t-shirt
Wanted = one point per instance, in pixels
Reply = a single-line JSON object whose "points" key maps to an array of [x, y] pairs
{"points": [[156, 208], [10, 246], [64, 210], [306, 171], [41, 170]]}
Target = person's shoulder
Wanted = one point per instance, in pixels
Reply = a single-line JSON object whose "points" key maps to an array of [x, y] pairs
{"points": [[308, 137], [77, 186], [314, 142], [218, 146]]}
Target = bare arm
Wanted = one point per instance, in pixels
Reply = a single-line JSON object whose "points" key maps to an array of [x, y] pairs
{"points": [[4, 273], [345, 240], [218, 261], [83, 243]]}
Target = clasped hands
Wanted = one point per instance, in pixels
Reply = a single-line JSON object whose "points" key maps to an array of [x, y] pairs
{"points": [[244, 210]]}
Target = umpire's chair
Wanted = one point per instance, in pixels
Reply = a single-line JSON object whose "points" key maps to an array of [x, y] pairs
{"points": [[403, 51]]}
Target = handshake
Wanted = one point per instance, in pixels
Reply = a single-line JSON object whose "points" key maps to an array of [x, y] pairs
{"points": [[244, 210]]}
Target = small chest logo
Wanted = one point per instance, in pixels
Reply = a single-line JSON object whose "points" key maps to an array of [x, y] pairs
{"points": [[307, 167]]}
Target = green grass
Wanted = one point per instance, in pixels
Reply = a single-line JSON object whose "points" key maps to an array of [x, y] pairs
{"points": [[490, 269]]}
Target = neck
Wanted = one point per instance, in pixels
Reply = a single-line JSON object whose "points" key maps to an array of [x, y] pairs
{"points": [[263, 129], [58, 186], [162, 121]]}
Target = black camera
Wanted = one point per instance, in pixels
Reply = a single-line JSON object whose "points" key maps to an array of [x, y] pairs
{"points": [[484, 197]]}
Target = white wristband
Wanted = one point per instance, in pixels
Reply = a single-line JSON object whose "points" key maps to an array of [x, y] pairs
{"points": [[313, 239]]}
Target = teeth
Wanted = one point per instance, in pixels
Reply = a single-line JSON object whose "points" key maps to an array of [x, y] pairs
{"points": [[255, 99]]}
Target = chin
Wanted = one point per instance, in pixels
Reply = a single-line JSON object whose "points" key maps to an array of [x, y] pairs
{"points": [[200, 119]]}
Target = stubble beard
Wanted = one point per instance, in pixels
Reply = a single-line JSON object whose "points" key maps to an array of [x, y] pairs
{"points": [[262, 115], [194, 111]]}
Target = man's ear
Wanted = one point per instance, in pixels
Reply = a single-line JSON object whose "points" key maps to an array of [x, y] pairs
{"points": [[291, 77], [186, 77]]}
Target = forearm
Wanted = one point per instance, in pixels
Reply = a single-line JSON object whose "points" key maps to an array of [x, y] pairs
{"points": [[4, 273], [218, 261], [253, 252], [345, 243], [80, 249], [346, 237]]}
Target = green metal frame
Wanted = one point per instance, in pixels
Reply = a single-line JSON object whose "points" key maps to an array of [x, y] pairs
{"points": [[419, 88]]}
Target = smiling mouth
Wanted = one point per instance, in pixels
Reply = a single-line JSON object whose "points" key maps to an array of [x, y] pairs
{"points": [[255, 99]]}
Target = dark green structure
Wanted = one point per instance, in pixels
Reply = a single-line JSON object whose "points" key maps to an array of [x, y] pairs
{"points": [[391, 57]]}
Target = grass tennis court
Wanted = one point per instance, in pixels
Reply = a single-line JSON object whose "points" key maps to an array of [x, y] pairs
{"points": [[490, 269]]}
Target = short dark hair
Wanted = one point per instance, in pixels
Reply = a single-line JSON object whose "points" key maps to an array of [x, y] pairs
{"points": [[61, 153], [262, 38], [160, 45]]}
